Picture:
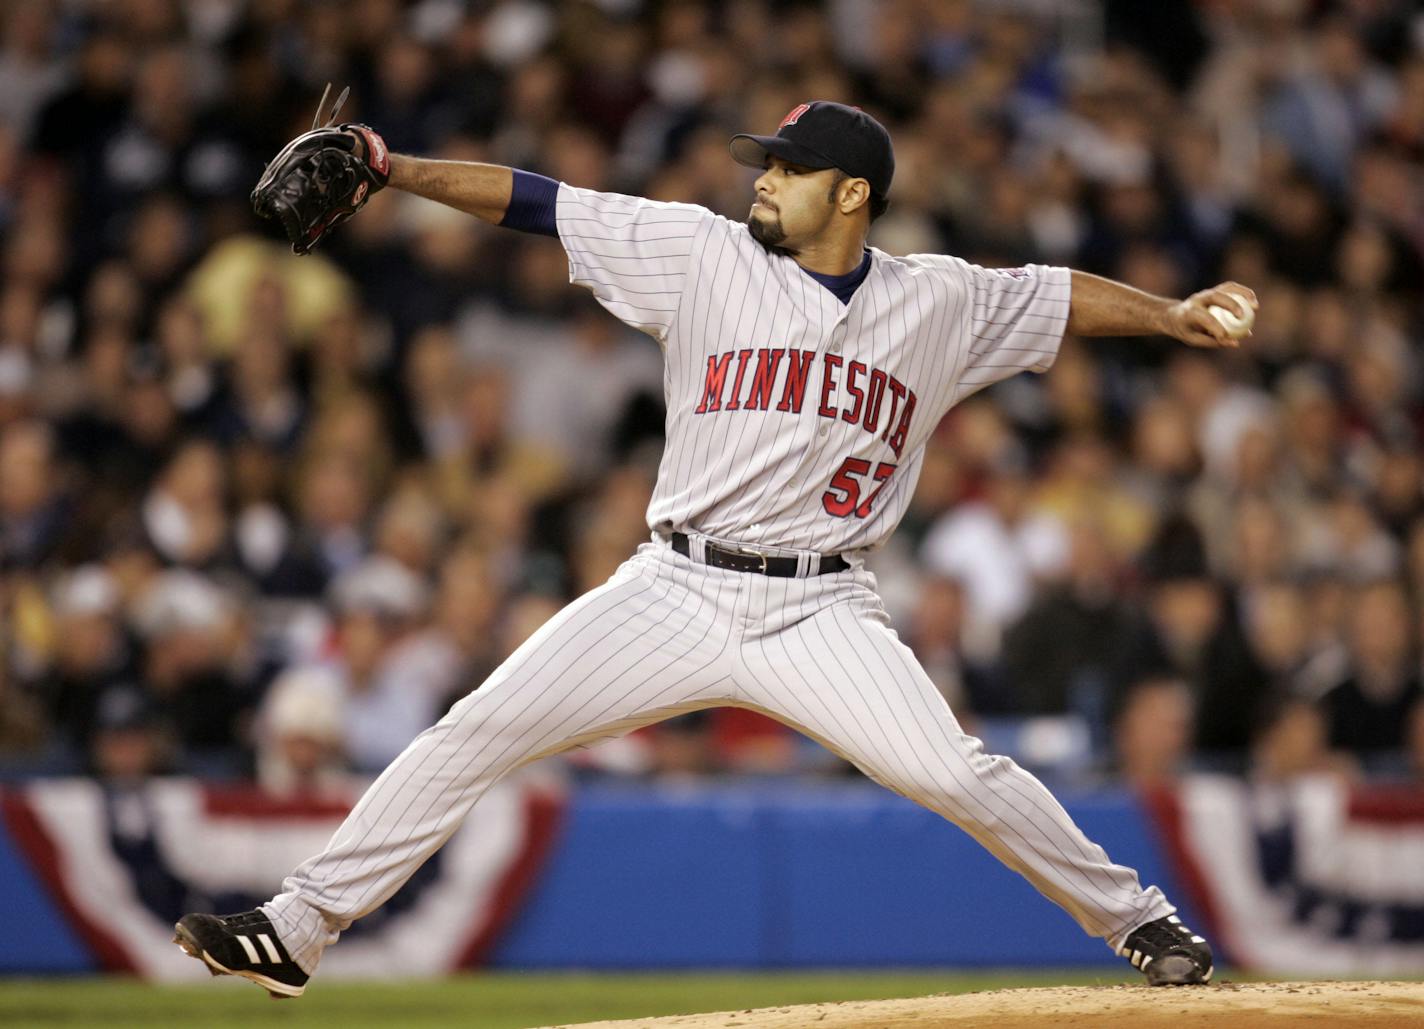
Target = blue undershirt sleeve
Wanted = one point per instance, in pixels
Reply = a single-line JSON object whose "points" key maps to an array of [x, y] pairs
{"points": [[531, 204]]}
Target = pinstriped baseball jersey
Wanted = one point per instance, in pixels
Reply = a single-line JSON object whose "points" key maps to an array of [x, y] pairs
{"points": [[795, 420]]}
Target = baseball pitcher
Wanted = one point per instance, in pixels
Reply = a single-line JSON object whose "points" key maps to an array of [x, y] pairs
{"points": [[805, 371]]}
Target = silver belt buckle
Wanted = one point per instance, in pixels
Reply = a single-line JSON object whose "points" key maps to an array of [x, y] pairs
{"points": [[756, 554]]}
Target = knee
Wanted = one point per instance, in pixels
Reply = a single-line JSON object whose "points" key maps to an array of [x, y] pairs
{"points": [[968, 792], [481, 718]]}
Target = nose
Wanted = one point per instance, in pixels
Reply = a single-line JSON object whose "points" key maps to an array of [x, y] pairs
{"points": [[763, 183]]}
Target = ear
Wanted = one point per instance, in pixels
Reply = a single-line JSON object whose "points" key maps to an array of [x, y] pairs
{"points": [[852, 195]]}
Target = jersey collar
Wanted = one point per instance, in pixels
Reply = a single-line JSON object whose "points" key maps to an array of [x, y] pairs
{"points": [[843, 287], [816, 303]]}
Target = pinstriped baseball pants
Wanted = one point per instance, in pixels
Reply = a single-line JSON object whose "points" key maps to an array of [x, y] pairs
{"points": [[666, 635]]}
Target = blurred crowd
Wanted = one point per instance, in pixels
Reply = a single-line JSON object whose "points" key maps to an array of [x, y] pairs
{"points": [[267, 515]]}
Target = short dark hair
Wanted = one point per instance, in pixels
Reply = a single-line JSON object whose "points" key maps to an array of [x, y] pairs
{"points": [[878, 204]]}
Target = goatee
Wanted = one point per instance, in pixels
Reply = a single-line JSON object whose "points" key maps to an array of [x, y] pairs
{"points": [[770, 235]]}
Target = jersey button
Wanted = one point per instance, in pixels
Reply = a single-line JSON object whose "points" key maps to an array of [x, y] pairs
{"points": [[825, 430]]}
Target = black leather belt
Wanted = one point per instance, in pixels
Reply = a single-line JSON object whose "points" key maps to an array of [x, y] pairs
{"points": [[744, 561]]}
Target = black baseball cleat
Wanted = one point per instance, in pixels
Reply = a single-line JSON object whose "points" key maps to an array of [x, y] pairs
{"points": [[244, 945], [1168, 953]]}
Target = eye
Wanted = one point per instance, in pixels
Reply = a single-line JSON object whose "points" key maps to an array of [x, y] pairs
{"points": [[788, 170]]}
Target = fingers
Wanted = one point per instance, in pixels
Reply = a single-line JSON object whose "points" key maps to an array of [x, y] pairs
{"points": [[1202, 330], [1233, 296], [1223, 298], [1245, 291]]}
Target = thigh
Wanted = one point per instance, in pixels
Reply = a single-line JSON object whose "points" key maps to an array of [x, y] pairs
{"points": [[835, 670], [648, 643], [842, 676]]}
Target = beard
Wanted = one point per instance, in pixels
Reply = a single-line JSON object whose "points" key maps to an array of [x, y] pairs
{"points": [[770, 234]]}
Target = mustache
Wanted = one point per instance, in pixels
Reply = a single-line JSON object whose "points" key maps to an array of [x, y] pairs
{"points": [[767, 203]]}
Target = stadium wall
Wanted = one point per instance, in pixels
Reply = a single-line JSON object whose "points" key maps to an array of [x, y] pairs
{"points": [[1307, 877], [628, 877]]}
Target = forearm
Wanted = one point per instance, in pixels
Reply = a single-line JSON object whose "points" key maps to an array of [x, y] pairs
{"points": [[1101, 307], [482, 190]]}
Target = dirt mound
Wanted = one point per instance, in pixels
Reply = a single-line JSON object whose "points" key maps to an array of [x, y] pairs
{"points": [[1222, 1006]]}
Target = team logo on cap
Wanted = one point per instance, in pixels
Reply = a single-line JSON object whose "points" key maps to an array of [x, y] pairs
{"points": [[794, 116]]}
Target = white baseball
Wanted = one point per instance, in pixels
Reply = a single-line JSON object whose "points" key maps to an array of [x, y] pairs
{"points": [[1236, 323]]}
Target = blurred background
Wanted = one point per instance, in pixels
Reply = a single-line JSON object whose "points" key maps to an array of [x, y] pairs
{"points": [[262, 519]]}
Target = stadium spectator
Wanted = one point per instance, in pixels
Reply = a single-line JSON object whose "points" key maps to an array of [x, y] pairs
{"points": [[191, 664], [29, 70], [469, 605], [1058, 656], [1181, 611], [1369, 711], [300, 734], [1292, 742], [91, 652], [184, 515], [24, 730], [1000, 548], [394, 675], [131, 740], [1152, 732], [1274, 627], [33, 509], [410, 528], [933, 632]]}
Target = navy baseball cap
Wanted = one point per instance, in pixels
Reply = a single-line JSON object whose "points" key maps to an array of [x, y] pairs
{"points": [[825, 134]]}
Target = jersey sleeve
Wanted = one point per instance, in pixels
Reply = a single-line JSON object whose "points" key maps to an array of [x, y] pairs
{"points": [[633, 253], [1014, 321]]}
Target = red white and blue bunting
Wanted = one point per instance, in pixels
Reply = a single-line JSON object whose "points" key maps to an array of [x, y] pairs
{"points": [[1308, 878], [123, 865]]}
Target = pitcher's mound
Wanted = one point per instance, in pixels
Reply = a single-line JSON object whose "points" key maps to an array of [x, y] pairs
{"points": [[1223, 1006]]}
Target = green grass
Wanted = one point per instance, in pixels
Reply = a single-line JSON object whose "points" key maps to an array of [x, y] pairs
{"points": [[490, 1001]]}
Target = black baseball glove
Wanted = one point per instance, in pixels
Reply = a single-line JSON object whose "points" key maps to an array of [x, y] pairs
{"points": [[322, 177]]}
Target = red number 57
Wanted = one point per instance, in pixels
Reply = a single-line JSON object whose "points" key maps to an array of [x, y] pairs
{"points": [[842, 499]]}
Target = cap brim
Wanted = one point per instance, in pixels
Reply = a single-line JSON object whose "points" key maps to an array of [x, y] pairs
{"points": [[752, 151]]}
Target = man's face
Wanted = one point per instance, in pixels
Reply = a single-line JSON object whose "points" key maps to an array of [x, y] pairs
{"points": [[793, 205]]}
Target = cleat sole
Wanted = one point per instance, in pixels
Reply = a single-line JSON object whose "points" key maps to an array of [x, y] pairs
{"points": [[1176, 970]]}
